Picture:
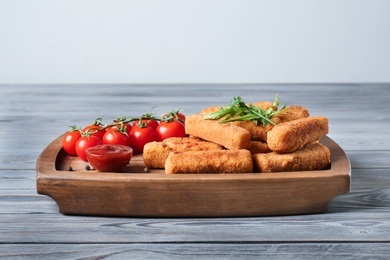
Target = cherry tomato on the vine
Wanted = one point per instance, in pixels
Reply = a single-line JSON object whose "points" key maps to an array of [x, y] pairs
{"points": [[95, 130], [175, 116], [139, 136], [69, 142], [170, 129], [126, 127], [149, 122], [181, 116], [115, 136], [84, 143]]}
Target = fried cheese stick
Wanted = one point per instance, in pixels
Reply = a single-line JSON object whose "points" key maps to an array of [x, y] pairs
{"points": [[259, 147], [259, 132], [293, 135], [313, 156], [213, 161], [155, 153], [291, 113], [228, 135]]}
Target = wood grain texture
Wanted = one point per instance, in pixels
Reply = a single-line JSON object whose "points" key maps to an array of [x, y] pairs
{"points": [[267, 251], [356, 225]]}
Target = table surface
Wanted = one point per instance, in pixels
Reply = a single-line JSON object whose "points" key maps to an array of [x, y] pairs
{"points": [[356, 225]]}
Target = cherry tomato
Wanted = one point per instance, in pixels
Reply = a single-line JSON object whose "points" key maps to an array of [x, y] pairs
{"points": [[69, 142], [181, 116], [115, 136], [170, 129], [176, 116], [124, 127], [84, 143], [139, 136], [95, 130], [149, 122]]}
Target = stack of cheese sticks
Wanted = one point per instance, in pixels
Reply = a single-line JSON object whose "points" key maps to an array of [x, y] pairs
{"points": [[291, 143]]}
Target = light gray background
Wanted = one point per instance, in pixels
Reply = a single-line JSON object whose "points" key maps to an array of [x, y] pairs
{"points": [[197, 41]]}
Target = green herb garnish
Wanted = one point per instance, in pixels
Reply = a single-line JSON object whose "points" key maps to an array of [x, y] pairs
{"points": [[238, 110]]}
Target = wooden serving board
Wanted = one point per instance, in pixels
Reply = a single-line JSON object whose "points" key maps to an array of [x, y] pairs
{"points": [[155, 194]]}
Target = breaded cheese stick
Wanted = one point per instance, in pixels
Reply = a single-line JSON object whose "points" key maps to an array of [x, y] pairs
{"points": [[263, 104], [313, 156], [291, 113], [259, 132], [155, 153], [228, 135], [259, 147], [214, 161], [293, 135]]}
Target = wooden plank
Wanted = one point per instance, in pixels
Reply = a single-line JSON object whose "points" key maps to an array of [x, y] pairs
{"points": [[354, 226], [369, 159], [198, 94], [81, 99], [267, 251]]}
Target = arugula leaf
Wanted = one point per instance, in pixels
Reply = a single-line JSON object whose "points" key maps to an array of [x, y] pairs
{"points": [[238, 110]]}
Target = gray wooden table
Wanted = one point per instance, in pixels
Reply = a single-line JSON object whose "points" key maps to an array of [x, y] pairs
{"points": [[357, 224]]}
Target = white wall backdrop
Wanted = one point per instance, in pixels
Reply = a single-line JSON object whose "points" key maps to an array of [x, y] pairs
{"points": [[194, 41]]}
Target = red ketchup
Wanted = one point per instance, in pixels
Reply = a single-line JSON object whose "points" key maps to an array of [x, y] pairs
{"points": [[109, 157]]}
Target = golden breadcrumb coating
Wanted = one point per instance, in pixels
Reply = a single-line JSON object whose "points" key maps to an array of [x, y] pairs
{"points": [[291, 113], [228, 135], [258, 132], [259, 147], [293, 135], [155, 153], [313, 156], [213, 161], [263, 104]]}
